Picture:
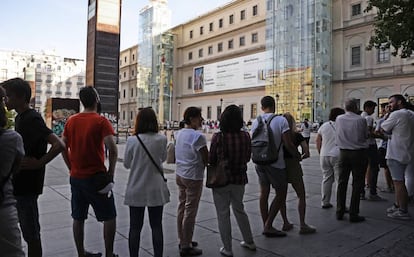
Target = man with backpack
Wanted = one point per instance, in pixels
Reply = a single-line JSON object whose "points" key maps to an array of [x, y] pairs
{"points": [[269, 132]]}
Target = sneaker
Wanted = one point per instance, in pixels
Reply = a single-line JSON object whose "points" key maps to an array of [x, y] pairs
{"points": [[400, 215], [375, 198], [224, 252], [287, 227], [356, 219], [327, 206], [387, 190], [190, 251], [91, 254], [307, 230], [393, 208], [250, 246]]}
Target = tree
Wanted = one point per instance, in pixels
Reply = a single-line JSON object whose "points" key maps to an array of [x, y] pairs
{"points": [[394, 26]]}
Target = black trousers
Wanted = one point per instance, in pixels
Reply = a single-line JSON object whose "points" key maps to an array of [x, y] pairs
{"points": [[354, 161]]}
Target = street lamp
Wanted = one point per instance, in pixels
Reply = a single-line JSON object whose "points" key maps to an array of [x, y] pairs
{"points": [[221, 108], [277, 102], [407, 98], [179, 104]]}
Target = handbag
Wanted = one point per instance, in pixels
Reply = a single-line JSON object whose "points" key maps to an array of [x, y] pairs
{"points": [[102, 182], [152, 159], [218, 174], [171, 153]]}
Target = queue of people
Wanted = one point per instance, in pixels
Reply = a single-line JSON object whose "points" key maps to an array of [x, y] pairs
{"points": [[345, 144]]}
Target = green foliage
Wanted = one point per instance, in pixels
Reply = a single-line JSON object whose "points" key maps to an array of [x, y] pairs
{"points": [[394, 26], [10, 117]]}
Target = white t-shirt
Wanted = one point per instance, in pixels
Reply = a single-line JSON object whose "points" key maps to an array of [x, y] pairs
{"points": [[370, 124], [400, 124], [351, 131], [188, 159], [279, 125], [328, 147], [305, 130]]}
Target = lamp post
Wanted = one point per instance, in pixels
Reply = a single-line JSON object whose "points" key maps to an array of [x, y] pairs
{"points": [[407, 97], [277, 102], [179, 105], [221, 108]]}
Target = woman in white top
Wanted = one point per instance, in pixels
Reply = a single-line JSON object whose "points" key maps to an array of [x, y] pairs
{"points": [[191, 156], [305, 129], [329, 153], [146, 186]]}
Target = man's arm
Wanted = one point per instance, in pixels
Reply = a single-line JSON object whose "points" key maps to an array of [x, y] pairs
{"points": [[65, 152], [113, 153], [56, 148], [287, 142], [318, 142]]}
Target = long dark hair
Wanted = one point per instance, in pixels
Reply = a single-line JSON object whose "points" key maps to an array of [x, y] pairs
{"points": [[146, 121]]}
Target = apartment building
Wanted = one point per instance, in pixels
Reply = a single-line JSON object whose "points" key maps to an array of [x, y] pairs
{"points": [[48, 74], [128, 86], [357, 72], [219, 59]]}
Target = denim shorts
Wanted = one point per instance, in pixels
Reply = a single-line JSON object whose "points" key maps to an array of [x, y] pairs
{"points": [[83, 195], [397, 169], [269, 175], [28, 214]]}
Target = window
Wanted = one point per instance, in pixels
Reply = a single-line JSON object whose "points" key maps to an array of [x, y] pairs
{"points": [[124, 93], [211, 26], [131, 115], [356, 55], [132, 92], [210, 50], [133, 57], [220, 23], [242, 41], [242, 110], [231, 44], [190, 55], [231, 19], [123, 115], [383, 55], [132, 73], [253, 111], [200, 52], [189, 82], [208, 112], [219, 47], [269, 5], [218, 112], [124, 74], [242, 14], [191, 34], [356, 9], [255, 10], [255, 38], [125, 59], [201, 30]]}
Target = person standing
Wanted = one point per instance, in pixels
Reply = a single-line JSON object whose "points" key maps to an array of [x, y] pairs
{"points": [[275, 173], [305, 129], [28, 182], [295, 177], [85, 134], [373, 161], [11, 154], [400, 152], [146, 186], [191, 155], [351, 138], [234, 144], [329, 154]]}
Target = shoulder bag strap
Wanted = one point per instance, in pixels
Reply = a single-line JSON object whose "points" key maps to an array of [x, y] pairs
{"points": [[269, 129], [152, 159]]}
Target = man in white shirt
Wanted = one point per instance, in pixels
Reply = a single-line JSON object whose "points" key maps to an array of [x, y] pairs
{"points": [[400, 152], [351, 138], [274, 174], [373, 160]]}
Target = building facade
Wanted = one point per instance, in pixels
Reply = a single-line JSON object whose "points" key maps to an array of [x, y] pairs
{"points": [[50, 75], [220, 59], [359, 73], [128, 86]]}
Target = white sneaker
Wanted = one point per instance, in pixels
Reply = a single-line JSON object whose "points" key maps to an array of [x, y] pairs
{"points": [[400, 215], [393, 208], [250, 246], [226, 253]]}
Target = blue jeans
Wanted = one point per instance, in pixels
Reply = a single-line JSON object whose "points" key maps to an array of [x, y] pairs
{"points": [[136, 217], [28, 213]]}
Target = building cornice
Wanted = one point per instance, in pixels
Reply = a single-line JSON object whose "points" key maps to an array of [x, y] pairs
{"points": [[221, 92]]}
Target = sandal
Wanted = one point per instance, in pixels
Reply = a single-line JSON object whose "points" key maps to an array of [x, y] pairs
{"points": [[287, 227], [307, 230]]}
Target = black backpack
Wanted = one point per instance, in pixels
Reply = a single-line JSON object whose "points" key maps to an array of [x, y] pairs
{"points": [[264, 149]]}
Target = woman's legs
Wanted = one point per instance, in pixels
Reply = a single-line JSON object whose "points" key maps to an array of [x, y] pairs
{"points": [[300, 192], [327, 179], [136, 219], [236, 199], [155, 218], [221, 197]]}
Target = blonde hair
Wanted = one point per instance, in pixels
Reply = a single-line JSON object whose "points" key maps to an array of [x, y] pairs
{"points": [[291, 121]]}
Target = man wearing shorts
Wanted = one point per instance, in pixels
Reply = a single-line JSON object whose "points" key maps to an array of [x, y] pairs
{"points": [[400, 152], [85, 135], [274, 174]]}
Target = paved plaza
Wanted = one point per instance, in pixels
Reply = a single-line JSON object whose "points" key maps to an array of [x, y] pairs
{"points": [[377, 236]]}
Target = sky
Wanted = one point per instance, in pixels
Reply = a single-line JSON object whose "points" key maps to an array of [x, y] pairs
{"points": [[60, 25]]}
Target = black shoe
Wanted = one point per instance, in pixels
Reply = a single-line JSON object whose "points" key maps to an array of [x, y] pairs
{"points": [[90, 254], [339, 216], [190, 251], [327, 206], [356, 219], [193, 244]]}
